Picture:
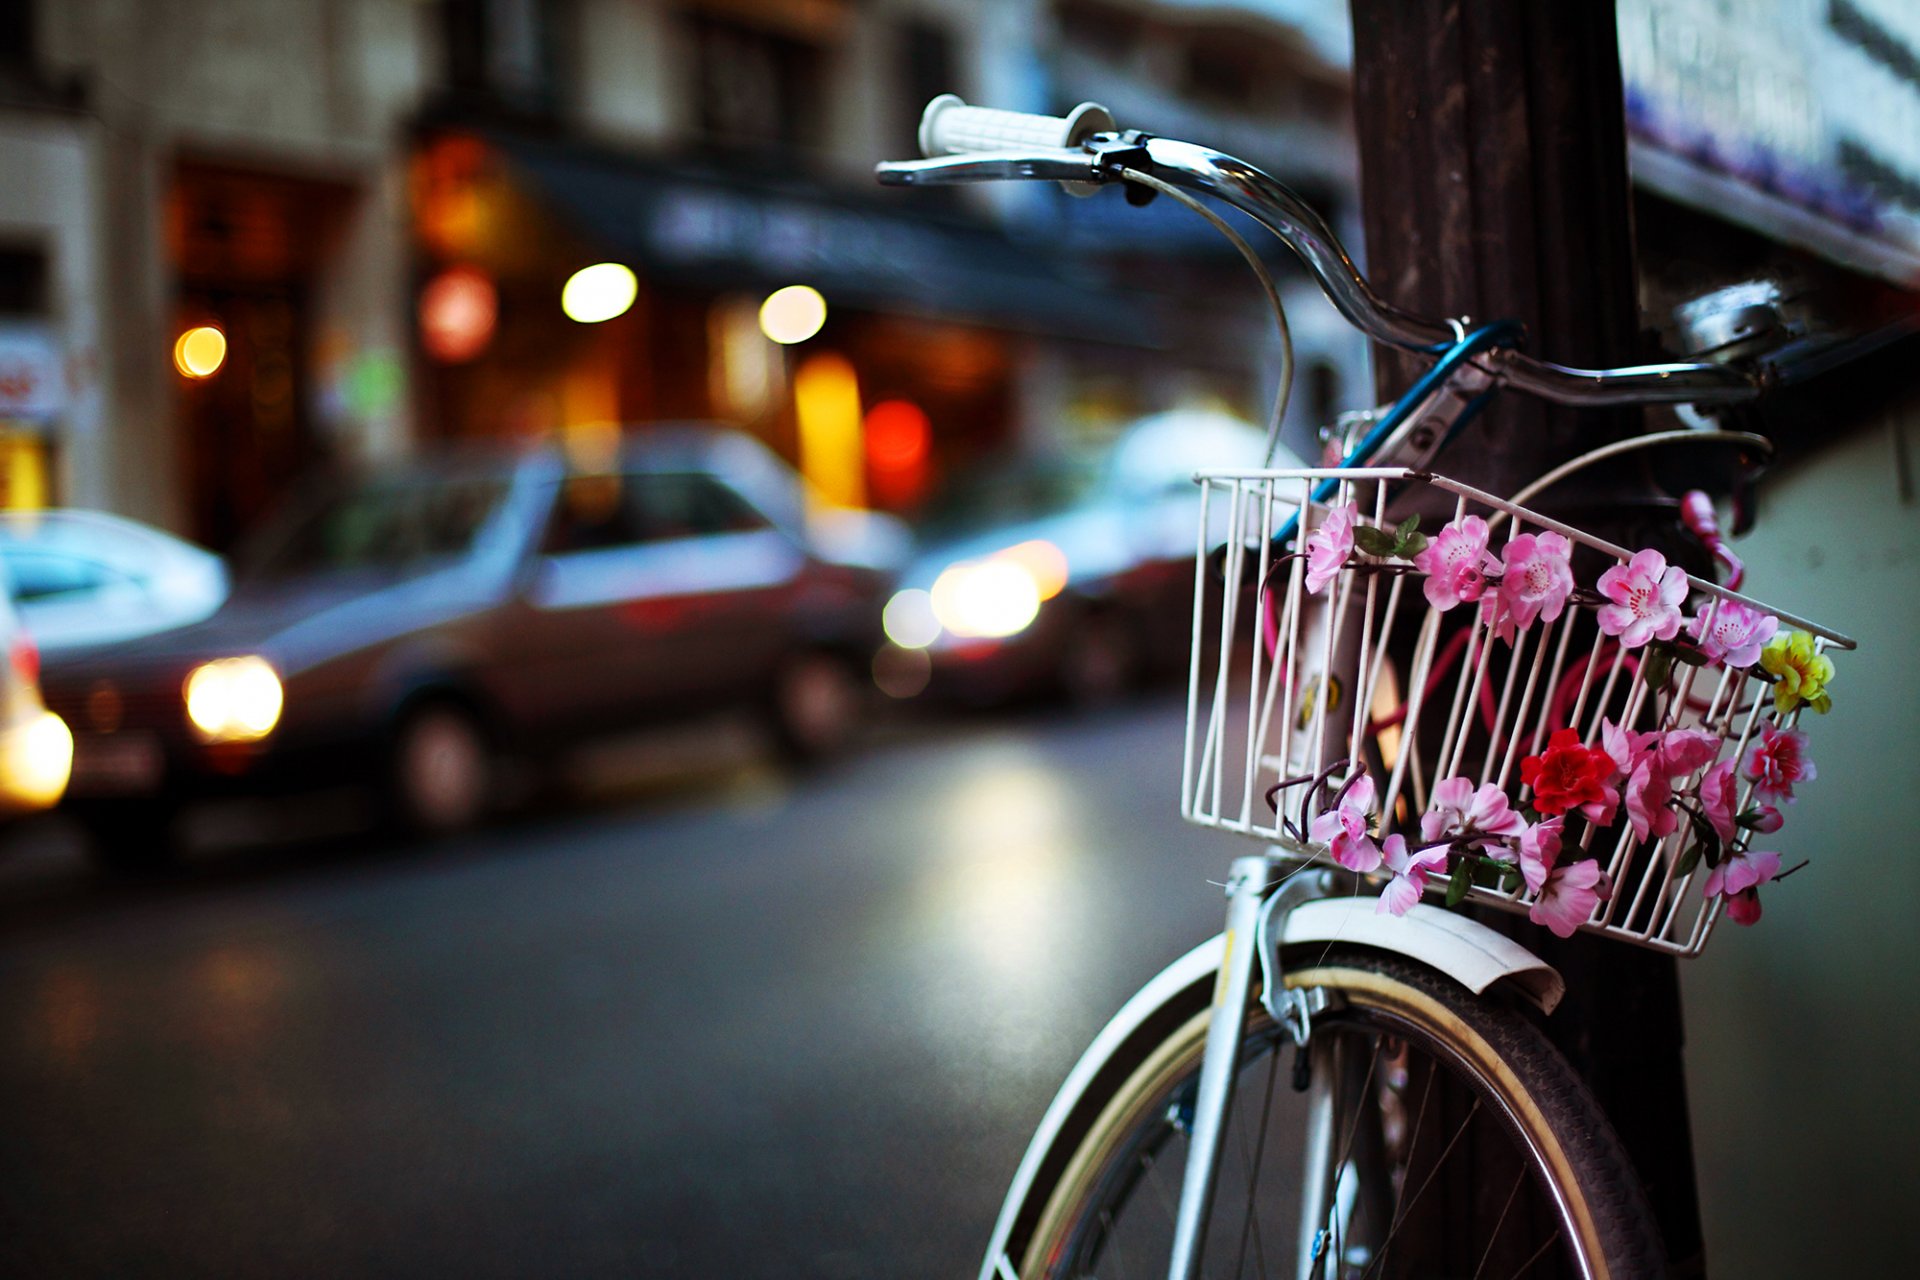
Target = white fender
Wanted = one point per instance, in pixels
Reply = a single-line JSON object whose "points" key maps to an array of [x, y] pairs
{"points": [[1465, 950], [1468, 952]]}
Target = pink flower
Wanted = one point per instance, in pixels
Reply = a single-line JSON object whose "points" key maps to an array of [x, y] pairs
{"points": [[1650, 791], [1767, 820], [1455, 563], [1329, 546], [1744, 907], [1409, 875], [1684, 750], [1539, 851], [1731, 632], [1536, 579], [1717, 799], [1459, 810], [1739, 872], [1646, 595], [1568, 897], [1778, 761], [1648, 795], [1344, 828]]}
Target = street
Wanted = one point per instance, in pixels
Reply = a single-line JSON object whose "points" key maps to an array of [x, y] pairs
{"points": [[721, 1023]]}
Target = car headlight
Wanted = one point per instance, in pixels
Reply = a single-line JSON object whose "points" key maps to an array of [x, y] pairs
{"points": [[234, 699], [991, 598]]}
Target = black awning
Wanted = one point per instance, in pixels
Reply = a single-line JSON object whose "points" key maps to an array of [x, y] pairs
{"points": [[722, 229]]}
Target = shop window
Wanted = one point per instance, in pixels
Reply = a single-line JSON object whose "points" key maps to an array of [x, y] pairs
{"points": [[23, 281], [755, 88]]}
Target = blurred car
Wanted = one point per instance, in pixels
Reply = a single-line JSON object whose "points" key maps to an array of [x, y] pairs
{"points": [[87, 578], [36, 749], [1069, 574], [411, 629]]}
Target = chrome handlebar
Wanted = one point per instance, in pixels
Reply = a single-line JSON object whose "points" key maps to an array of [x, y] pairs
{"points": [[1106, 157]]}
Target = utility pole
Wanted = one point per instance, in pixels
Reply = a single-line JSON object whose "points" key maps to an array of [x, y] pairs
{"points": [[1493, 177]]}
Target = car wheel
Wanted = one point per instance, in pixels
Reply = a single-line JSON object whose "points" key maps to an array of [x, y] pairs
{"points": [[818, 702], [440, 774], [130, 838], [1102, 660]]}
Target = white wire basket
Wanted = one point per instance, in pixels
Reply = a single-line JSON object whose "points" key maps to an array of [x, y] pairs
{"points": [[1290, 687]]}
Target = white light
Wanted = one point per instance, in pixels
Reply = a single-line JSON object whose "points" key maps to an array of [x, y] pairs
{"points": [[234, 699], [36, 762], [599, 292], [908, 619], [988, 598], [793, 314]]}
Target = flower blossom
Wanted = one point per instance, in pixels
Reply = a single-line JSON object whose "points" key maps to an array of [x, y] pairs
{"points": [[1777, 761], [1539, 851], [1649, 793], [1456, 562], [1459, 810], [1739, 877], [1410, 873], [1536, 579], [1732, 633], [1345, 828], [1568, 775], [1801, 674], [1717, 798], [1568, 897], [1329, 546], [1644, 599]]}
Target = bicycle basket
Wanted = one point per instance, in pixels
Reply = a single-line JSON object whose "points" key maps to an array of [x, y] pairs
{"points": [[1512, 673]]}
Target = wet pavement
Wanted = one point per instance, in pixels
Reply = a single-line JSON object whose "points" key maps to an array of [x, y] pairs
{"points": [[729, 1023]]}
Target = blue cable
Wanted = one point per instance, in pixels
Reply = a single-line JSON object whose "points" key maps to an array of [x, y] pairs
{"points": [[1500, 333]]}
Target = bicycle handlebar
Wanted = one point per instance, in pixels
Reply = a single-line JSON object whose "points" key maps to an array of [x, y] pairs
{"points": [[986, 154]]}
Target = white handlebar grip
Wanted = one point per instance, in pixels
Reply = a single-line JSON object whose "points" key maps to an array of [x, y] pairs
{"points": [[949, 127]]}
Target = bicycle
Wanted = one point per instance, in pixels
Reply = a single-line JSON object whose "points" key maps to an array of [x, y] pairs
{"points": [[1438, 1131]]}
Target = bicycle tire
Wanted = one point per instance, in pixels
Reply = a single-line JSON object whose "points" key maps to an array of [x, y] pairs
{"points": [[1493, 1062]]}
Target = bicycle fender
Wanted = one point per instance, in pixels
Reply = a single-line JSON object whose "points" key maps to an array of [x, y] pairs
{"points": [[1467, 951]]}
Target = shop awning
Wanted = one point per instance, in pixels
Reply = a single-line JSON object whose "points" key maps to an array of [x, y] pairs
{"points": [[720, 229]]}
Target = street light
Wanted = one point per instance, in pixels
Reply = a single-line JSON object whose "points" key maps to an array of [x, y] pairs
{"points": [[793, 314]]}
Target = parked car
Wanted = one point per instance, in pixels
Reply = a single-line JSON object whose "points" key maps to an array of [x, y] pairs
{"points": [[87, 578], [36, 749], [1069, 574], [411, 629]]}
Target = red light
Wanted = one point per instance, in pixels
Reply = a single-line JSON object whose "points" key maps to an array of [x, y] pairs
{"points": [[898, 435], [457, 312], [26, 660]]}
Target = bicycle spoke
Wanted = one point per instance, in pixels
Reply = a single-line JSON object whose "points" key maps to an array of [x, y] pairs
{"points": [[1248, 1227], [1401, 1210], [1537, 1254], [1495, 1234]]}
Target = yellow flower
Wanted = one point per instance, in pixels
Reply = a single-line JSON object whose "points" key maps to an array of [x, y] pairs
{"points": [[1801, 674]]}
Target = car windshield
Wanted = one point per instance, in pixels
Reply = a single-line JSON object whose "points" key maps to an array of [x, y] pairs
{"points": [[992, 496], [383, 524]]}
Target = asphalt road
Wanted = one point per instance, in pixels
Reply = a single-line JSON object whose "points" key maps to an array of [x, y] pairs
{"points": [[721, 1022]]}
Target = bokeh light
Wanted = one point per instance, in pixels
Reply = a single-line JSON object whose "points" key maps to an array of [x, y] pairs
{"points": [[200, 351], [793, 314], [458, 309], [898, 435], [599, 292]]}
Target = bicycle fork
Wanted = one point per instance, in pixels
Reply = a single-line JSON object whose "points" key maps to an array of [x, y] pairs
{"points": [[1251, 910]]}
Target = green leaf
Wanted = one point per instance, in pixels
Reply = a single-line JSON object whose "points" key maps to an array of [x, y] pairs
{"points": [[1689, 655], [1657, 670], [1375, 542], [1458, 883], [1689, 860], [1407, 528], [1413, 545]]}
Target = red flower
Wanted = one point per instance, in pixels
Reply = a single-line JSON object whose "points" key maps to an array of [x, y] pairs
{"points": [[1567, 775]]}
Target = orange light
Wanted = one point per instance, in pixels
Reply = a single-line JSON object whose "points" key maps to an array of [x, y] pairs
{"points": [[898, 435], [826, 403], [200, 351], [457, 313], [1045, 563]]}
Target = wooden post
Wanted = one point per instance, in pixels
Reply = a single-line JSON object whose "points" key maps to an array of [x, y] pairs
{"points": [[1493, 177]]}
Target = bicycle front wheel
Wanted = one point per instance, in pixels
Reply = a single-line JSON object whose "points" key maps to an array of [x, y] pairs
{"points": [[1428, 1132]]}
